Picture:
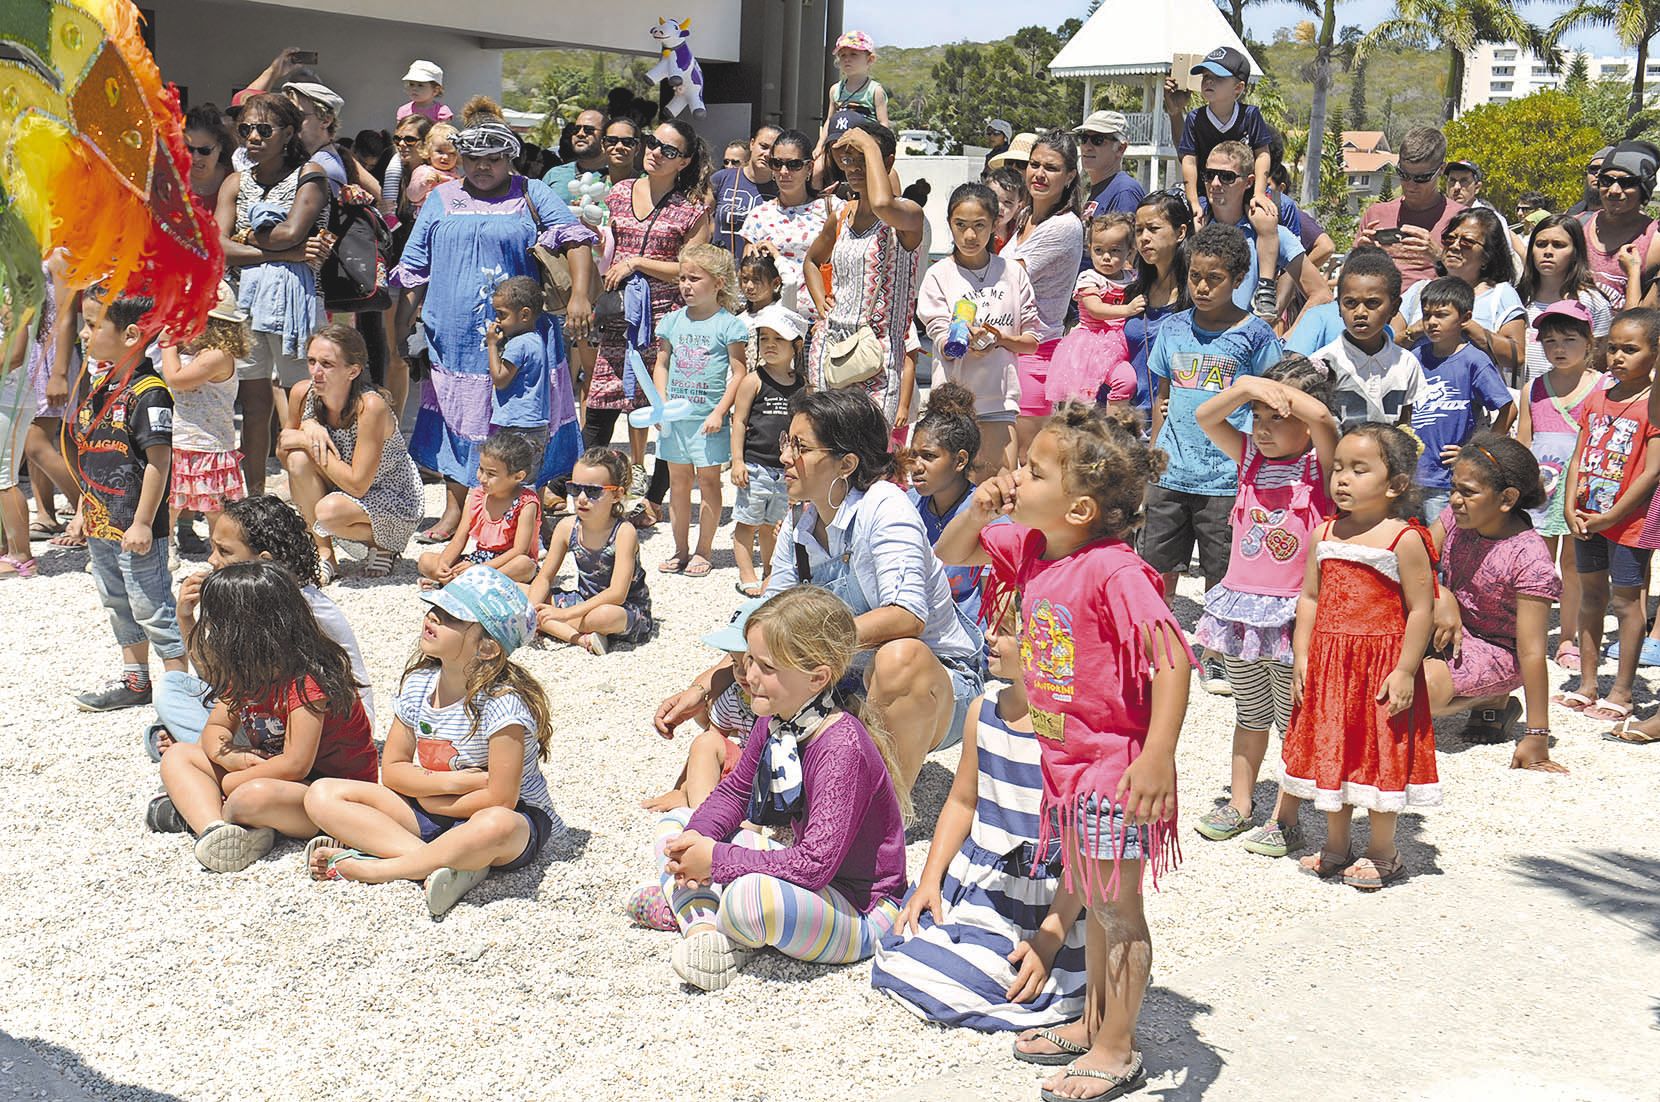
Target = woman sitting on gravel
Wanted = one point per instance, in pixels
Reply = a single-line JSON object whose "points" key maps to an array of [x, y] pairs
{"points": [[463, 790], [287, 714]]}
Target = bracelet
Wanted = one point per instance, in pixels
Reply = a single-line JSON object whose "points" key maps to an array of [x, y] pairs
{"points": [[1532, 731]]}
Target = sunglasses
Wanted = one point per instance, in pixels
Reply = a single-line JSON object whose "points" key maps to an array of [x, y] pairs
{"points": [[788, 164], [1621, 181], [1227, 176], [1463, 241], [581, 129], [626, 143], [794, 446], [249, 129], [663, 149], [202, 150], [407, 139], [732, 162], [1420, 177], [1095, 139], [590, 490]]}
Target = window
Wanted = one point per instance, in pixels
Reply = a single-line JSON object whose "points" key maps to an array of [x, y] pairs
{"points": [[1501, 85], [1365, 180], [1503, 70], [1504, 55], [1499, 99]]}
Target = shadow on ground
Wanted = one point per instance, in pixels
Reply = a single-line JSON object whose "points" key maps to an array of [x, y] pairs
{"points": [[1620, 886], [44, 1068]]}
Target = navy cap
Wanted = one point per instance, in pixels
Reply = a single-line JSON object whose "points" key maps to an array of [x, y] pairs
{"points": [[1224, 61]]}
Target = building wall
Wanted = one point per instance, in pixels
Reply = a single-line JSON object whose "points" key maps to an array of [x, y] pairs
{"points": [[1498, 73]]}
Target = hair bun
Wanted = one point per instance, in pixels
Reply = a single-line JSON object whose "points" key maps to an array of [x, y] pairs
{"points": [[950, 400]]}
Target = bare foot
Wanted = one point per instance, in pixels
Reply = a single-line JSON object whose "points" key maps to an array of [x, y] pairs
{"points": [[668, 801], [164, 740]]}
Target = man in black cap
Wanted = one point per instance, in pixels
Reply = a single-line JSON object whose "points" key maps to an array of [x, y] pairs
{"points": [[1223, 75], [1592, 198], [1463, 181]]}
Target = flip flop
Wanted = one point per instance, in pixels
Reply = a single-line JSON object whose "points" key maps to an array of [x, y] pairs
{"points": [[1069, 1050], [1132, 1080], [1567, 656], [1607, 711], [311, 848], [698, 567], [1573, 701], [433, 535], [751, 590], [330, 872], [1622, 732], [674, 564], [40, 530]]}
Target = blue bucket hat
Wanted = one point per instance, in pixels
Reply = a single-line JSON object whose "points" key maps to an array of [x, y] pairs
{"points": [[731, 637], [485, 596]]}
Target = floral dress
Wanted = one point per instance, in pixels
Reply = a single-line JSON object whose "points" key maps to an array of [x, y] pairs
{"points": [[873, 279], [658, 236], [393, 500], [791, 231]]}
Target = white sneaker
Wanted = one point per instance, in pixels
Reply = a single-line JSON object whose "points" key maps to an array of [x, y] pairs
{"points": [[446, 887], [227, 847], [708, 960]]}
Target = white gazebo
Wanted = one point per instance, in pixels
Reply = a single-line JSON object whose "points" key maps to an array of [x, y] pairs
{"points": [[1134, 42]]}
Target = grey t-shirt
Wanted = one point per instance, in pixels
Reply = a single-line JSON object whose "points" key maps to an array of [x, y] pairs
{"points": [[1052, 253]]}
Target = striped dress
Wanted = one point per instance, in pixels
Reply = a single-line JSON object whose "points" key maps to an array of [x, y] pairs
{"points": [[956, 973]]}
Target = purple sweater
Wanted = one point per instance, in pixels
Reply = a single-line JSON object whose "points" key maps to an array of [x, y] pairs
{"points": [[850, 836]]}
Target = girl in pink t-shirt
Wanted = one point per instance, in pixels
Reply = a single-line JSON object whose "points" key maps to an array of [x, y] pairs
{"points": [[1250, 615], [1106, 670], [501, 526]]}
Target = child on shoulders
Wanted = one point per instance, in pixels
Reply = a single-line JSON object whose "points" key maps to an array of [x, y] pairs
{"points": [[501, 523], [463, 791], [425, 84], [1224, 76]]}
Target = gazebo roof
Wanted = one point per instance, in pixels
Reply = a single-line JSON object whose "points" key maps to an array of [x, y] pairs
{"points": [[1135, 38]]}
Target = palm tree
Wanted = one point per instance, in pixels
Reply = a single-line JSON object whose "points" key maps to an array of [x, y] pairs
{"points": [[1324, 44], [1635, 22], [1457, 26]]}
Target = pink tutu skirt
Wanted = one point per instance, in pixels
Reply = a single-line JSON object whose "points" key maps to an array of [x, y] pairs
{"points": [[1081, 362], [203, 481]]}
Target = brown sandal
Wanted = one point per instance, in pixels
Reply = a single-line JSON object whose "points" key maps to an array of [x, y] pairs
{"points": [[1326, 865], [1369, 875]]}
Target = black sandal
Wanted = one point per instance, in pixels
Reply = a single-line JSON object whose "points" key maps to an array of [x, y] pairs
{"points": [[1132, 1080], [1487, 726], [1069, 1050]]}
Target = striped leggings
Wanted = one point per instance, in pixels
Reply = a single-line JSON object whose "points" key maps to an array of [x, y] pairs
{"points": [[1261, 693], [756, 910]]}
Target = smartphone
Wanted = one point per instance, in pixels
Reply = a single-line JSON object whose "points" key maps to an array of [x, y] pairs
{"points": [[1388, 235], [303, 57]]}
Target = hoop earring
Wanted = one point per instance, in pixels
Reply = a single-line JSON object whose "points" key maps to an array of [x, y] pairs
{"points": [[847, 488]]}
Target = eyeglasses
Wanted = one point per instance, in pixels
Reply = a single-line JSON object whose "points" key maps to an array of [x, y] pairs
{"points": [[1621, 181], [1420, 177], [581, 128], [407, 139], [793, 446], [1463, 241], [626, 143], [1227, 176], [663, 149], [249, 129], [202, 150], [788, 164], [589, 490], [1096, 139], [732, 162]]}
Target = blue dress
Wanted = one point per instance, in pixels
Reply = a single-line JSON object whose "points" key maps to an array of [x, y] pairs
{"points": [[470, 245]]}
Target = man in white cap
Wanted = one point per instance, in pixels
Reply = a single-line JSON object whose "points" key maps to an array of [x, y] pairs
{"points": [[999, 132], [320, 108], [425, 84], [1101, 146]]}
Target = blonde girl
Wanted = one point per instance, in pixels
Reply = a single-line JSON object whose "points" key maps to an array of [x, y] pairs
{"points": [[821, 761], [461, 789], [207, 468], [702, 359], [610, 599], [442, 164]]}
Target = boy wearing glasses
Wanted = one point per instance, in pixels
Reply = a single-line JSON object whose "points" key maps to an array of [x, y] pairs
{"points": [[1410, 228]]}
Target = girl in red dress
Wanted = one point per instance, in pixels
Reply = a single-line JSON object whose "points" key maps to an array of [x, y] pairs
{"points": [[1361, 734]]}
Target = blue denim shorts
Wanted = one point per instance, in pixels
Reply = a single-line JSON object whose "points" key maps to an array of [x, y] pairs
{"points": [[764, 500], [966, 684], [1099, 834], [431, 826]]}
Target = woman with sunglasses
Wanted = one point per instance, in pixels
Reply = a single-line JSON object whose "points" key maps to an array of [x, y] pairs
{"points": [[1476, 249], [473, 233], [275, 235], [850, 529], [407, 141], [622, 147], [785, 227], [743, 183], [1620, 240], [652, 218], [210, 145]]}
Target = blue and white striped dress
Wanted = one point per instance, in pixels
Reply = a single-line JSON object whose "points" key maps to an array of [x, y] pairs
{"points": [[956, 973]]}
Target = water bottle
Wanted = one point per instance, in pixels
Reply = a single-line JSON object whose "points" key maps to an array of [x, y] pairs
{"points": [[962, 320]]}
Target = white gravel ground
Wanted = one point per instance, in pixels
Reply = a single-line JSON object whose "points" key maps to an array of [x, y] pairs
{"points": [[145, 977]]}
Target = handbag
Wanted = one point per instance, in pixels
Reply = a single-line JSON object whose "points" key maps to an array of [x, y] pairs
{"points": [[353, 275], [555, 268], [853, 359]]}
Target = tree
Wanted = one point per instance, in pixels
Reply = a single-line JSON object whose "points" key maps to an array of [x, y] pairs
{"points": [[1504, 139], [1312, 180], [1635, 22], [1578, 79], [1605, 105], [1306, 33], [1349, 43], [1457, 26], [1332, 204], [1038, 46]]}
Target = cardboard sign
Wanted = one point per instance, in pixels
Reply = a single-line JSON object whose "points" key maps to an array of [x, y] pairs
{"points": [[1180, 66]]}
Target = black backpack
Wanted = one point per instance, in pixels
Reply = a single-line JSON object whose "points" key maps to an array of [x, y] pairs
{"points": [[353, 278]]}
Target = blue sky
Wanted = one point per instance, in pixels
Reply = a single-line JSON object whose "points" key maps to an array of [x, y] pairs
{"points": [[934, 21]]}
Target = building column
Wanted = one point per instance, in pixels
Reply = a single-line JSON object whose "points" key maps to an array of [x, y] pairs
{"points": [[1089, 96]]}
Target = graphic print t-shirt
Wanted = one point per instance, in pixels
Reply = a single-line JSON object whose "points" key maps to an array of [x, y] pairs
{"points": [[120, 417], [1613, 441], [1199, 365], [698, 355], [1455, 393]]}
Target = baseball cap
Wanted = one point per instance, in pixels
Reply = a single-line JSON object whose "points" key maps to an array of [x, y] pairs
{"points": [[781, 320], [731, 637], [1001, 126], [1104, 122], [1463, 166], [848, 119], [1224, 61], [1019, 151], [485, 596], [1564, 308], [320, 94], [425, 72]]}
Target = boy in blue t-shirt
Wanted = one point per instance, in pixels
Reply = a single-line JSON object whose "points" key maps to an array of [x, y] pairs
{"points": [[1198, 354], [1461, 384], [1224, 75], [519, 364]]}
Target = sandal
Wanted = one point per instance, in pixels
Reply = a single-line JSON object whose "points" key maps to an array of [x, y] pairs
{"points": [[1069, 1050], [379, 562], [1326, 865], [674, 564], [1624, 732], [27, 568], [1573, 701], [1487, 726], [330, 872], [1567, 656], [434, 535], [1368, 875], [311, 847], [327, 571], [1607, 711], [1132, 1080], [45, 529], [750, 589], [698, 567]]}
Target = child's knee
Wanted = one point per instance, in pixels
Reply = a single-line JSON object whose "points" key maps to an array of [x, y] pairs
{"points": [[257, 799], [319, 794], [747, 908], [495, 826]]}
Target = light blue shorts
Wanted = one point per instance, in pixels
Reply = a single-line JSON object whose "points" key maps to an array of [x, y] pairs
{"points": [[685, 442], [765, 500]]}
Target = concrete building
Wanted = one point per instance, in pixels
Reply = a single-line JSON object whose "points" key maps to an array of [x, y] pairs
{"points": [[761, 59], [1501, 72]]}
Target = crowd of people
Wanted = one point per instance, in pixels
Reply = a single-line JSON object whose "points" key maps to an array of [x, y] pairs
{"points": [[1388, 468]]}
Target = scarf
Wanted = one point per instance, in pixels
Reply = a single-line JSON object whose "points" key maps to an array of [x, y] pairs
{"points": [[485, 138], [776, 797]]}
